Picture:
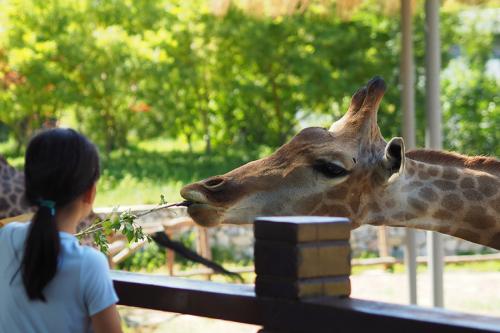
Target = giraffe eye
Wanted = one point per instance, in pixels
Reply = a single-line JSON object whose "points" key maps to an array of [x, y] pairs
{"points": [[330, 170]]}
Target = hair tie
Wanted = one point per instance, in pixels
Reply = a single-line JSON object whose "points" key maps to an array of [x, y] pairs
{"points": [[48, 204]]}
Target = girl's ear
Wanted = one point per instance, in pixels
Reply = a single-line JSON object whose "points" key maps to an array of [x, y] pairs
{"points": [[89, 195]]}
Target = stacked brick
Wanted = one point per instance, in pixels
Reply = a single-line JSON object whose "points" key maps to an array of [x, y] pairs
{"points": [[302, 257]]}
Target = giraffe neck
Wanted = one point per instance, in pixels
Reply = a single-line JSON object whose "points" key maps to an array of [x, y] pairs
{"points": [[448, 198], [12, 201]]}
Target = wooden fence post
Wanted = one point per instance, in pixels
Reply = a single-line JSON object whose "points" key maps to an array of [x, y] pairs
{"points": [[302, 257]]}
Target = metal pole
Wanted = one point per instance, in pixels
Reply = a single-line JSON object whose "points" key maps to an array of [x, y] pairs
{"points": [[408, 104], [433, 134]]}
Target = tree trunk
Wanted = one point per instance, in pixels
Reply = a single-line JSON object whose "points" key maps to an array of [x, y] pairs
{"points": [[189, 139]]}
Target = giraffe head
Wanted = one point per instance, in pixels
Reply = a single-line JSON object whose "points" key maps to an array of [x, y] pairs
{"points": [[320, 171]]}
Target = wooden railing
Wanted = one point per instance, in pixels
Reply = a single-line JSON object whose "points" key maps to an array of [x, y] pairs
{"points": [[297, 289]]}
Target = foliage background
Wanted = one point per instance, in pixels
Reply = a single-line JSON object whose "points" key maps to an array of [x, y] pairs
{"points": [[173, 91]]}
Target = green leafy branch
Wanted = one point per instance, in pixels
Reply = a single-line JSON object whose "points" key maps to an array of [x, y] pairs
{"points": [[124, 223]]}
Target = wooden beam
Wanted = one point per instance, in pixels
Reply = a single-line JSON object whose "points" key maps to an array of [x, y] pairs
{"points": [[239, 303], [19, 218]]}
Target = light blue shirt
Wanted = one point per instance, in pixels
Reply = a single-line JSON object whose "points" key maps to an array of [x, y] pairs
{"points": [[81, 287]]}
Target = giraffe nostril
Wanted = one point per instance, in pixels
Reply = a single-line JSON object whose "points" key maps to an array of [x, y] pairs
{"points": [[213, 183]]}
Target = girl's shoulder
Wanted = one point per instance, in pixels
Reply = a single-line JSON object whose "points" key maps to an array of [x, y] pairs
{"points": [[12, 237], [14, 231], [12, 226], [93, 259]]}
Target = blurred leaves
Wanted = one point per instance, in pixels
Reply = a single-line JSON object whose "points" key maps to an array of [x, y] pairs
{"points": [[123, 223], [146, 69]]}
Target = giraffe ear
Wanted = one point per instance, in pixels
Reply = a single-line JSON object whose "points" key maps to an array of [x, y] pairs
{"points": [[394, 155]]}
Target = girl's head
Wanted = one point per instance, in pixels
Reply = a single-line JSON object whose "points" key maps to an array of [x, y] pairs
{"points": [[61, 167]]}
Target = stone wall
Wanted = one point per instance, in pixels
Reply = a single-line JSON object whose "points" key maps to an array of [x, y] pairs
{"points": [[239, 239], [364, 239]]}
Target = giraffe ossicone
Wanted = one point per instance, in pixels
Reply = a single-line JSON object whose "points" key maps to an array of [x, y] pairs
{"points": [[350, 170]]}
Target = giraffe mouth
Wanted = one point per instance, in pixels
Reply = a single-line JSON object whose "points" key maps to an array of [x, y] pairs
{"points": [[185, 203], [204, 214], [200, 209], [193, 198]]}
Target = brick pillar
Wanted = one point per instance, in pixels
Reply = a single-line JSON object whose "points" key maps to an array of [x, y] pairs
{"points": [[302, 257]]}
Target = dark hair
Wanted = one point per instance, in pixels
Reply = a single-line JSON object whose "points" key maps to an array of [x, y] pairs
{"points": [[60, 165]]}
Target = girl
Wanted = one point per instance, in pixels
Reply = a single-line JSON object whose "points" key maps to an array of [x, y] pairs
{"points": [[48, 282]]}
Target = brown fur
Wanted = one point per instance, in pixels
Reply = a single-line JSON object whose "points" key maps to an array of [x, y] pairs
{"points": [[459, 194], [479, 163]]}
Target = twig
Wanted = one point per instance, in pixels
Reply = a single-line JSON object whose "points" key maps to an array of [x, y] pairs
{"points": [[178, 204], [94, 227]]}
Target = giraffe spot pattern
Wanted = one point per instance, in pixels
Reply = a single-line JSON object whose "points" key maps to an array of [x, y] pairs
{"points": [[433, 170], [417, 204], [377, 178], [444, 185], [6, 188], [468, 235], [12, 199], [477, 217], [487, 186], [377, 220], [442, 214], [272, 207], [411, 186], [410, 171], [423, 174], [403, 216], [390, 203], [496, 204], [495, 241], [4, 205], [467, 182], [22, 200], [305, 206], [339, 210], [473, 195], [445, 230], [427, 194], [450, 174], [374, 207], [325, 210], [338, 193], [354, 202], [452, 202]]}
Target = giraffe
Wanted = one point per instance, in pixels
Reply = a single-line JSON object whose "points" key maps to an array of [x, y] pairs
{"points": [[350, 170], [13, 204], [12, 200]]}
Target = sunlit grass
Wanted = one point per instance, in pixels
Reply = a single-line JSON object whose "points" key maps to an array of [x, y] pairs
{"points": [[131, 191], [486, 266], [142, 172], [249, 277]]}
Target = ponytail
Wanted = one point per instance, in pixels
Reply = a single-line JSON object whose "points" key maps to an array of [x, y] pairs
{"points": [[41, 251], [60, 165]]}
